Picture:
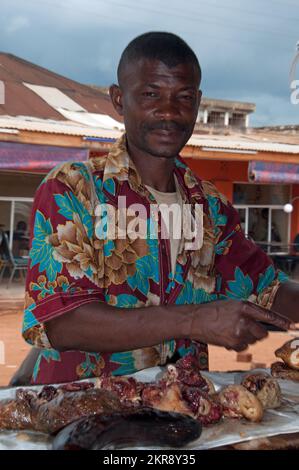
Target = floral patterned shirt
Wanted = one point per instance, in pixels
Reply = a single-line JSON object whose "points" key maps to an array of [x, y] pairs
{"points": [[69, 266]]}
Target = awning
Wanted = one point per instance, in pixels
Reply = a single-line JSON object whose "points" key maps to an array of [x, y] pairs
{"points": [[270, 172], [14, 156]]}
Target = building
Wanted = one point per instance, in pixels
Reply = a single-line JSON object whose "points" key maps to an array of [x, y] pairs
{"points": [[223, 115], [47, 119]]}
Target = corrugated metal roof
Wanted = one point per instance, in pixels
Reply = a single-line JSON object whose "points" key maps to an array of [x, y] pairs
{"points": [[54, 97], [20, 100], [56, 127], [228, 143], [275, 135], [92, 119]]}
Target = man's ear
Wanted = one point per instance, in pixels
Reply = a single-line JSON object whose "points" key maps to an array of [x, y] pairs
{"points": [[116, 98]]}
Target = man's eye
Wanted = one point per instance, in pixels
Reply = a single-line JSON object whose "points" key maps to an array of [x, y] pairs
{"points": [[149, 94], [187, 97]]}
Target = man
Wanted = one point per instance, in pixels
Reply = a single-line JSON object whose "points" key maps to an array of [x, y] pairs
{"points": [[102, 305]]}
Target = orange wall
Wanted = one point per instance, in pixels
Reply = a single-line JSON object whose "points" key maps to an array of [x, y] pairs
{"points": [[222, 174]]}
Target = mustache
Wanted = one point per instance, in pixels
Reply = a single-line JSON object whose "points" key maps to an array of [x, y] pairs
{"points": [[165, 126]]}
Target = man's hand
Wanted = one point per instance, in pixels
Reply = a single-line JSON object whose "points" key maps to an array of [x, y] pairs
{"points": [[233, 324], [287, 300]]}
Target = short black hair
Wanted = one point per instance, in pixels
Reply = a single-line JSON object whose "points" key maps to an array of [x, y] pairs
{"points": [[157, 45]]}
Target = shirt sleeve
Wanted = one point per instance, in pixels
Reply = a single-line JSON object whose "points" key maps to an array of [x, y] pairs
{"points": [[243, 269], [63, 261]]}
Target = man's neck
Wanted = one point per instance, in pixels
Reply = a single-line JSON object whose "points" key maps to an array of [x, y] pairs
{"points": [[157, 172]]}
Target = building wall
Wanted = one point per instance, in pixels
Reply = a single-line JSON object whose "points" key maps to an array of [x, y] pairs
{"points": [[15, 184], [222, 174]]}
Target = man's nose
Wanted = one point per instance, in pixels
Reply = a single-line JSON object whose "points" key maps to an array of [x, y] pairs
{"points": [[167, 108]]}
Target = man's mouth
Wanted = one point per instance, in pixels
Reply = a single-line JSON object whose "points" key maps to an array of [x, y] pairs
{"points": [[165, 128], [166, 132]]}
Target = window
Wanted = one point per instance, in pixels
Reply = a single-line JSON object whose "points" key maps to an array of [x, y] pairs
{"points": [[14, 220], [261, 194], [216, 118], [237, 120], [262, 216]]}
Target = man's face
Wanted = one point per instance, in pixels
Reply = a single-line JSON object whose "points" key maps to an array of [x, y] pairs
{"points": [[159, 105]]}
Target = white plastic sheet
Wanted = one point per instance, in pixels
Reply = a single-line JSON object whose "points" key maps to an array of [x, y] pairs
{"points": [[284, 420]]}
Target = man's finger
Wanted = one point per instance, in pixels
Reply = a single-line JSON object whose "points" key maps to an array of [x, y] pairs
{"points": [[240, 347], [267, 316], [257, 330]]}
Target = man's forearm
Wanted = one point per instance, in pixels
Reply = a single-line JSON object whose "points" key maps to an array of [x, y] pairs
{"points": [[98, 327], [286, 301]]}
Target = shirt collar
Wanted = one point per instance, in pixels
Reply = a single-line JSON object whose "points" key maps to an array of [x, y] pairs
{"points": [[120, 167]]}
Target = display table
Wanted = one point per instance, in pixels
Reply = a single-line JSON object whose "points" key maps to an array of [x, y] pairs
{"points": [[279, 428]]}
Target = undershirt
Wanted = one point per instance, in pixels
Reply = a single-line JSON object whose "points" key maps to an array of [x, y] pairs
{"points": [[169, 199]]}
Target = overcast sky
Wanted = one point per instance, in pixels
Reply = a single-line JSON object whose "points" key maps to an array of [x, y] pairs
{"points": [[245, 47]]}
